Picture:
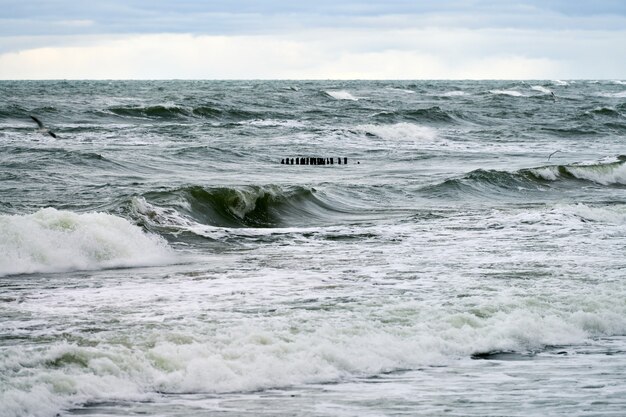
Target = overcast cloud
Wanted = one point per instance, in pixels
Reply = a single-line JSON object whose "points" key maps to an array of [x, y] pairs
{"points": [[396, 39]]}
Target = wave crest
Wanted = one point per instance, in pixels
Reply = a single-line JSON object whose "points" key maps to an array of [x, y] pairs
{"points": [[53, 240], [195, 208], [538, 179]]}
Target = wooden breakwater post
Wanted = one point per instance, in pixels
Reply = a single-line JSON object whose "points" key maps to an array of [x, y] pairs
{"points": [[314, 161]]}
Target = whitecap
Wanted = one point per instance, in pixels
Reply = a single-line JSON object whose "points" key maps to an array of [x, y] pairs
{"points": [[454, 94], [53, 240], [341, 95], [273, 123], [400, 131], [621, 94], [512, 93], [541, 89]]}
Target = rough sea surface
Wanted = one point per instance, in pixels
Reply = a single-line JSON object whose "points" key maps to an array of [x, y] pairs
{"points": [[156, 258]]}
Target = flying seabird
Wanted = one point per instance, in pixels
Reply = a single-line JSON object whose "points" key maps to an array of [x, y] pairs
{"points": [[42, 128], [550, 156]]}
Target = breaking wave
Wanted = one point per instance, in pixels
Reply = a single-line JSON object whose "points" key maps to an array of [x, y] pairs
{"points": [[533, 179], [53, 240], [341, 95], [194, 208]]}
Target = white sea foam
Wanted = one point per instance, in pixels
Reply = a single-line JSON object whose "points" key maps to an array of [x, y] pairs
{"points": [[547, 173], [560, 82], [615, 215], [171, 218], [402, 90], [611, 173], [401, 132], [341, 95], [454, 94], [53, 240], [620, 94], [512, 93], [248, 357], [541, 89], [601, 174], [273, 123]]}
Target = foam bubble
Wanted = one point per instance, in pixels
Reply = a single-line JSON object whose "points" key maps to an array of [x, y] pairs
{"points": [[53, 240]]}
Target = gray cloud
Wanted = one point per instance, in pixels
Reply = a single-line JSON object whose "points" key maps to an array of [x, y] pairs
{"points": [[572, 38], [46, 17]]}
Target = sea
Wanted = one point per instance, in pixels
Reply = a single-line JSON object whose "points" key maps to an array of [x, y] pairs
{"points": [[467, 257]]}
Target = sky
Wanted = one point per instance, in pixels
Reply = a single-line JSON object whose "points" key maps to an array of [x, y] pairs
{"points": [[321, 39]]}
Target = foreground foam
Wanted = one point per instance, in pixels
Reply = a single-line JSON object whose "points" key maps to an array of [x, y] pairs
{"points": [[279, 353], [53, 240]]}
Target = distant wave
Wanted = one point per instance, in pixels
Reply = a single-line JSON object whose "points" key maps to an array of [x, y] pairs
{"points": [[161, 112], [400, 131], [541, 89], [605, 111], [542, 178], [454, 94], [432, 114], [620, 94], [512, 93], [341, 95], [178, 112], [53, 240]]}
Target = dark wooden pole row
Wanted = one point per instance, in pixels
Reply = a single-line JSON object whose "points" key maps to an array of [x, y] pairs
{"points": [[313, 161]]}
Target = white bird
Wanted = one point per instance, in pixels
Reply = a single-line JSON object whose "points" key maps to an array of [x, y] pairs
{"points": [[42, 128]]}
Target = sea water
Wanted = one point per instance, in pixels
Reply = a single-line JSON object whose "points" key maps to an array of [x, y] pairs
{"points": [[157, 258]]}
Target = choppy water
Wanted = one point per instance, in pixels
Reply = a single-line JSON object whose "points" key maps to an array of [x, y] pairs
{"points": [[156, 258]]}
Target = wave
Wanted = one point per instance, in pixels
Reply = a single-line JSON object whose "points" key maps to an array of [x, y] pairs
{"points": [[511, 93], [430, 114], [178, 112], [605, 111], [532, 179], [266, 354], [217, 113], [400, 132], [620, 94], [541, 89], [156, 112], [53, 240], [194, 208], [454, 94], [341, 95]]}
